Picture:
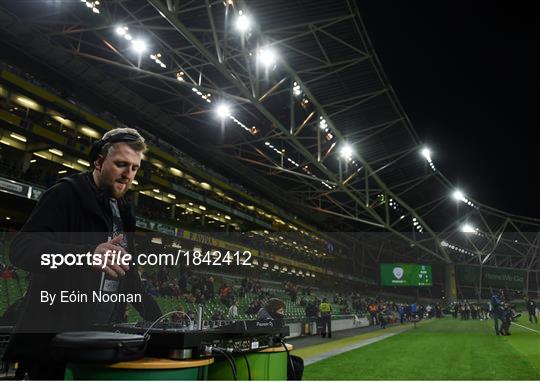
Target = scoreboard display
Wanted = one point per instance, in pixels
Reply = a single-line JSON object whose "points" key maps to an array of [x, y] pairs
{"points": [[400, 274]]}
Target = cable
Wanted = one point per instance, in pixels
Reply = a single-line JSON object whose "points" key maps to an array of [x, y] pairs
{"points": [[233, 361], [165, 315], [290, 360], [230, 360], [248, 367]]}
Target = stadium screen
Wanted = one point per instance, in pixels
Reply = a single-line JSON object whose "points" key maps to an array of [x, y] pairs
{"points": [[406, 275]]}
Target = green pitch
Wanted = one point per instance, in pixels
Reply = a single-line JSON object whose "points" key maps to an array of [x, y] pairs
{"points": [[441, 349]]}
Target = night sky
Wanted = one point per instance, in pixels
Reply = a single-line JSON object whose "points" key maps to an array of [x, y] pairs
{"points": [[467, 75]]}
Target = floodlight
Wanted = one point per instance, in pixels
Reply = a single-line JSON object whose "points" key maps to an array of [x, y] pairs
{"points": [[139, 46], [458, 195], [467, 228], [223, 110], [426, 153], [120, 30], [243, 22], [267, 57], [346, 152]]}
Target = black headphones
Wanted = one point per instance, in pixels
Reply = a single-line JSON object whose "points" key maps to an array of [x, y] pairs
{"points": [[97, 147]]}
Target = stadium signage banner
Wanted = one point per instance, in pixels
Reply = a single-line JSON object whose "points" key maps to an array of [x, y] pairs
{"points": [[294, 263], [210, 241], [155, 226], [491, 277], [400, 274], [219, 205], [20, 189]]}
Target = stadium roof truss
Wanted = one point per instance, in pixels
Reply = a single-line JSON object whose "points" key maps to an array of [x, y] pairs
{"points": [[296, 90]]}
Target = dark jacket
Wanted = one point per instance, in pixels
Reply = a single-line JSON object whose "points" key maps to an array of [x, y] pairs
{"points": [[263, 315], [73, 216]]}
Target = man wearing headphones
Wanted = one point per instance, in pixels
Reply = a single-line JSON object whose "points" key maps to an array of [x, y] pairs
{"points": [[85, 213]]}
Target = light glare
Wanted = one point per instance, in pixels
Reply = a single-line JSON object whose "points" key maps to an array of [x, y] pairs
{"points": [[346, 152], [121, 31], [268, 57], [223, 111], [458, 195], [467, 228], [426, 153], [139, 46], [243, 23]]}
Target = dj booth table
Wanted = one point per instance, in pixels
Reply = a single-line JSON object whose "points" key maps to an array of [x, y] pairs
{"points": [[147, 369], [175, 353], [265, 365]]}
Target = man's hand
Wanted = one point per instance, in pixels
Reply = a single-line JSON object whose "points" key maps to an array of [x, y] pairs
{"points": [[109, 264]]}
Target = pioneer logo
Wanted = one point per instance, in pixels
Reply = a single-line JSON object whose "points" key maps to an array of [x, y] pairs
{"points": [[265, 324]]}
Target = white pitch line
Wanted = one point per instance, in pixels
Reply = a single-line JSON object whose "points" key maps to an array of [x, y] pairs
{"points": [[347, 348], [532, 330]]}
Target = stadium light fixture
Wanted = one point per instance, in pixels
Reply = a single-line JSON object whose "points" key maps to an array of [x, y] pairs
{"points": [[27, 102], [323, 125], [243, 22], [458, 195], [56, 152], [139, 46], [268, 57], [157, 59], [346, 152], [90, 132], [18, 137], [467, 228], [121, 30], [297, 90], [223, 110], [426, 153]]}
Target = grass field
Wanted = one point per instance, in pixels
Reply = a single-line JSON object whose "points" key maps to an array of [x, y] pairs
{"points": [[440, 349]]}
